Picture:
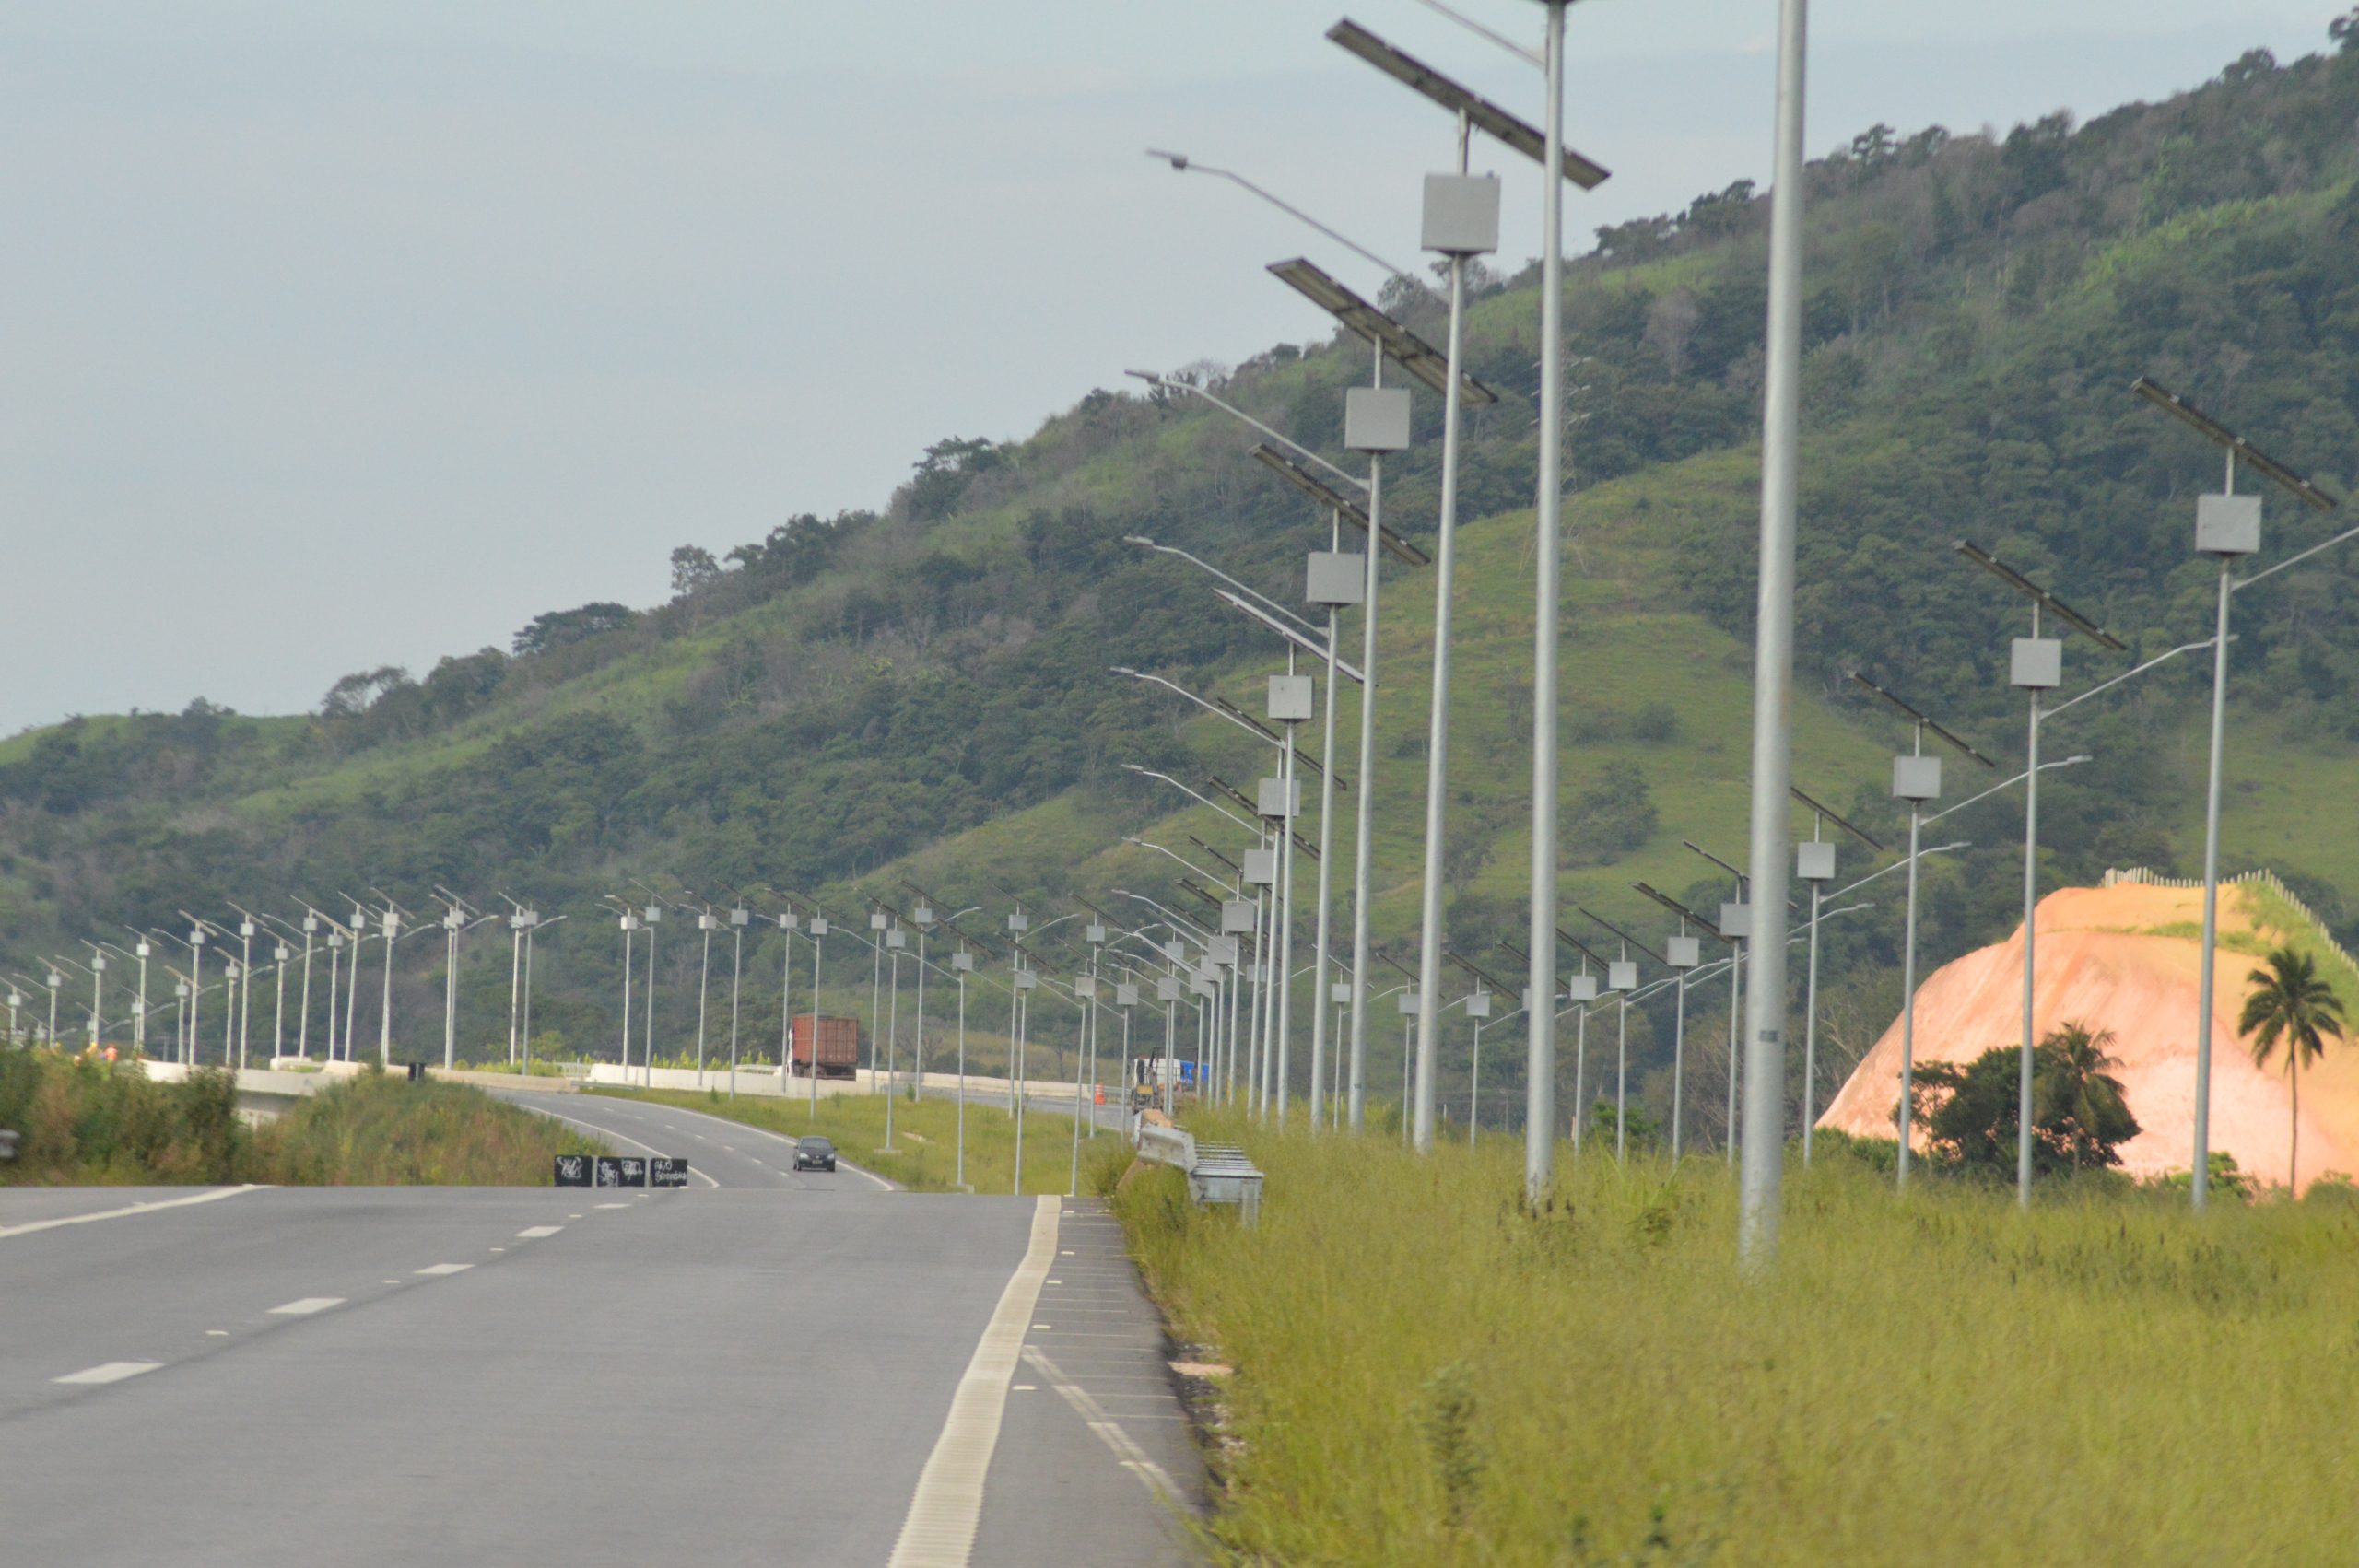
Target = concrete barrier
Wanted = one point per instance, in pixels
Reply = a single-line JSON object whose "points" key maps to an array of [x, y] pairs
{"points": [[765, 1079]]}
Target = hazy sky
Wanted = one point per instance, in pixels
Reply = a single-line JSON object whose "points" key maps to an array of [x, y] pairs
{"points": [[335, 335]]}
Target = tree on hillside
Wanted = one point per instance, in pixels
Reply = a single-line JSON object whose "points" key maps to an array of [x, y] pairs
{"points": [[2075, 1102], [2344, 31], [2078, 1118], [692, 567], [2293, 1006], [559, 628]]}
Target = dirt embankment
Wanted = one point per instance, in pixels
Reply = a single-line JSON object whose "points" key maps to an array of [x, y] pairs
{"points": [[2125, 958]]}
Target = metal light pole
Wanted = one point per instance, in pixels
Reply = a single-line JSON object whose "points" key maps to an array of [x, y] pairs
{"points": [[707, 924], [922, 918], [98, 997], [303, 1008], [1025, 981], [393, 921], [1622, 978], [1685, 952], [524, 923], [455, 920], [281, 953], [787, 922], [2227, 526], [1540, 1069], [1916, 778], [143, 948], [245, 985], [962, 964], [876, 924], [1376, 420], [653, 915], [515, 976], [1547, 146], [532, 929], [2036, 665], [818, 932], [1330, 295], [1814, 863], [1773, 663], [629, 923], [352, 979], [897, 940], [739, 919]]}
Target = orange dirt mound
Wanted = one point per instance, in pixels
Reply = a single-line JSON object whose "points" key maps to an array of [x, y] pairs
{"points": [[2106, 963]]}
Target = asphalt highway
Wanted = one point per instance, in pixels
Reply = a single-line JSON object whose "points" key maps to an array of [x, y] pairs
{"points": [[772, 1368]]}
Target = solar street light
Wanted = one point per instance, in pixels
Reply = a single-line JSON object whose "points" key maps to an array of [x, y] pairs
{"points": [[1333, 580], [2227, 526], [1622, 978], [1375, 421], [1544, 148], [2036, 665], [1403, 347], [1402, 550], [1681, 953], [1814, 863], [1916, 778]]}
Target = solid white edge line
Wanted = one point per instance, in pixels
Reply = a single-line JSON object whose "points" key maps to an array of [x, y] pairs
{"points": [[30, 1226], [939, 1531], [109, 1372], [610, 1132]]}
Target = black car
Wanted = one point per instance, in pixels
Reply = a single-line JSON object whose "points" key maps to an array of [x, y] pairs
{"points": [[814, 1154]]}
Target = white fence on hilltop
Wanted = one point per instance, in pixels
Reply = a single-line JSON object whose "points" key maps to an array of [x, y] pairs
{"points": [[2145, 876]]}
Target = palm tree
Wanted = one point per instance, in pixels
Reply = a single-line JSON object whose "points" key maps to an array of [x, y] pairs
{"points": [[2292, 1005], [2075, 1091]]}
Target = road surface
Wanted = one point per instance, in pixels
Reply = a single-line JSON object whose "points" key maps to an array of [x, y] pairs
{"points": [[759, 1370]]}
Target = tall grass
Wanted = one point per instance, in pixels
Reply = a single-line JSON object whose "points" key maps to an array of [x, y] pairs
{"points": [[376, 1130], [84, 1122], [924, 1137], [80, 1119], [1426, 1372]]}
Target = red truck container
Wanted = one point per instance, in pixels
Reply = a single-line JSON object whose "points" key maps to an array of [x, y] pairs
{"points": [[838, 1046]]}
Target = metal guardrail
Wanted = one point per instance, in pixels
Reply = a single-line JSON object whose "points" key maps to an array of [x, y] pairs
{"points": [[1167, 1146], [1217, 1173]]}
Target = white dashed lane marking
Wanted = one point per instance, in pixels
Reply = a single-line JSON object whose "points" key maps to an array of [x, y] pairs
{"points": [[109, 1372], [305, 1306], [445, 1269], [537, 1231]]}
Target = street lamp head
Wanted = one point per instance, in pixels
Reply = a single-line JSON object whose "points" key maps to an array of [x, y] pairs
{"points": [[1178, 160], [1140, 540]]}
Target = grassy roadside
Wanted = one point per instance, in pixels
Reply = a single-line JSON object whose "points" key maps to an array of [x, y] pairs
{"points": [[1424, 1374], [925, 1135], [85, 1122]]}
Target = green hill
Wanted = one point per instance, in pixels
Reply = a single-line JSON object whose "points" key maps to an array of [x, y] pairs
{"points": [[922, 691]]}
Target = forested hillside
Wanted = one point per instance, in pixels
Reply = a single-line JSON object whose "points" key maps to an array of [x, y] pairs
{"points": [[924, 690]]}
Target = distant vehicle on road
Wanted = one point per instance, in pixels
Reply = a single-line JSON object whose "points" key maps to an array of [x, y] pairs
{"points": [[814, 1153], [838, 1044], [1160, 1081]]}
